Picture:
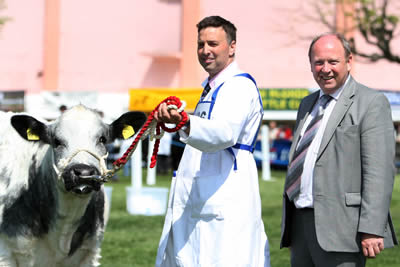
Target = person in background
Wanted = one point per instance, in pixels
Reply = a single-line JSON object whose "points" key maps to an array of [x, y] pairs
{"points": [[214, 215], [397, 132], [285, 132], [340, 177], [273, 131], [62, 108], [177, 148], [164, 154]]}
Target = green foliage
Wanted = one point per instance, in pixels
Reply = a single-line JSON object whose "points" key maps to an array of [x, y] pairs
{"points": [[3, 19], [378, 28], [376, 20], [393, 19], [133, 240]]}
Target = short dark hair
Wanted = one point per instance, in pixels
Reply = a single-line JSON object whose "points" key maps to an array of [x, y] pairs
{"points": [[340, 37], [217, 21]]}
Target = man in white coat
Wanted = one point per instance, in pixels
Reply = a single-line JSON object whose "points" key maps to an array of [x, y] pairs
{"points": [[214, 210]]}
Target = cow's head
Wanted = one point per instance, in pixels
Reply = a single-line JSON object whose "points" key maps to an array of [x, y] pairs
{"points": [[78, 140]]}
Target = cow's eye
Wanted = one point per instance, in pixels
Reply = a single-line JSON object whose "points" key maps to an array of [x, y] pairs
{"points": [[102, 140]]}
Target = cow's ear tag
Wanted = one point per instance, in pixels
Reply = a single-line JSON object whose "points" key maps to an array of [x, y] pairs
{"points": [[128, 131], [31, 135]]}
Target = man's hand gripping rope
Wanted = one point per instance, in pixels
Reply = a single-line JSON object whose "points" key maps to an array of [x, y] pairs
{"points": [[155, 130]]}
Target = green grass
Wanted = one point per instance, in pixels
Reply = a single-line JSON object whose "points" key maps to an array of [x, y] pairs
{"points": [[133, 240]]}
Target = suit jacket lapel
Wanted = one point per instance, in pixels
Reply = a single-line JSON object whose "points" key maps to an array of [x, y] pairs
{"points": [[343, 104], [308, 106]]}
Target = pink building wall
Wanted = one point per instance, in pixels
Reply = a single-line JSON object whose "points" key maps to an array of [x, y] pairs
{"points": [[21, 45], [265, 47], [103, 46], [112, 47]]}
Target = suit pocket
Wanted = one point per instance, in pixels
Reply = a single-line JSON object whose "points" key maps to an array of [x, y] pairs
{"points": [[348, 129], [353, 199]]}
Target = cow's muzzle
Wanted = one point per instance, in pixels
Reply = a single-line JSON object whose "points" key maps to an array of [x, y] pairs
{"points": [[76, 179]]}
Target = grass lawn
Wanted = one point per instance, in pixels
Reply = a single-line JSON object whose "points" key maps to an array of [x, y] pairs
{"points": [[133, 240]]}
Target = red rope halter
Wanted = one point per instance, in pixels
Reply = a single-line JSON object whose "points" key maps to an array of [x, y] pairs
{"points": [[172, 102]]}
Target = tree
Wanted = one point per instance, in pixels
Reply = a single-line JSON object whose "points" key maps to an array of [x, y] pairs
{"points": [[3, 19], [371, 18]]}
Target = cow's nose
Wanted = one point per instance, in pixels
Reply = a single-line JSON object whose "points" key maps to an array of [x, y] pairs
{"points": [[76, 179], [82, 189], [84, 170]]}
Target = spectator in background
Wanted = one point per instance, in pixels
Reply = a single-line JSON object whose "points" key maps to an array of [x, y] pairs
{"points": [[123, 147], [273, 131], [398, 134], [177, 148], [285, 132], [164, 154], [62, 108]]}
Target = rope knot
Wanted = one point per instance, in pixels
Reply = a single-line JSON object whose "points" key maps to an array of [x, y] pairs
{"points": [[155, 130]]}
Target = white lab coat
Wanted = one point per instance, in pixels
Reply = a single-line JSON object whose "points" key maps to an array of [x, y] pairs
{"points": [[214, 212]]}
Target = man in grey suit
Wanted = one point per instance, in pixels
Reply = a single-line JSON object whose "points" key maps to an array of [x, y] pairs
{"points": [[340, 177]]}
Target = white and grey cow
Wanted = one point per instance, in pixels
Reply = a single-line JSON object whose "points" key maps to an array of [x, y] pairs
{"points": [[50, 213]]}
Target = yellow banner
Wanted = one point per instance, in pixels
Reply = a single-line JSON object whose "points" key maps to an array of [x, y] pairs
{"points": [[282, 98], [147, 99]]}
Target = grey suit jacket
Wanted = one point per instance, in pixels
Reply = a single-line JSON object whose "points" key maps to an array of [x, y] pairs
{"points": [[354, 171]]}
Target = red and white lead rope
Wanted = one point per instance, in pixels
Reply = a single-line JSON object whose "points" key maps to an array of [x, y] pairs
{"points": [[154, 130]]}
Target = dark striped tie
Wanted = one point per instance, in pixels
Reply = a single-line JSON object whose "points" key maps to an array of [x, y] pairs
{"points": [[295, 170], [205, 91]]}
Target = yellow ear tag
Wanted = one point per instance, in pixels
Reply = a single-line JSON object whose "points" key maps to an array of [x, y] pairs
{"points": [[31, 136], [128, 131]]}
